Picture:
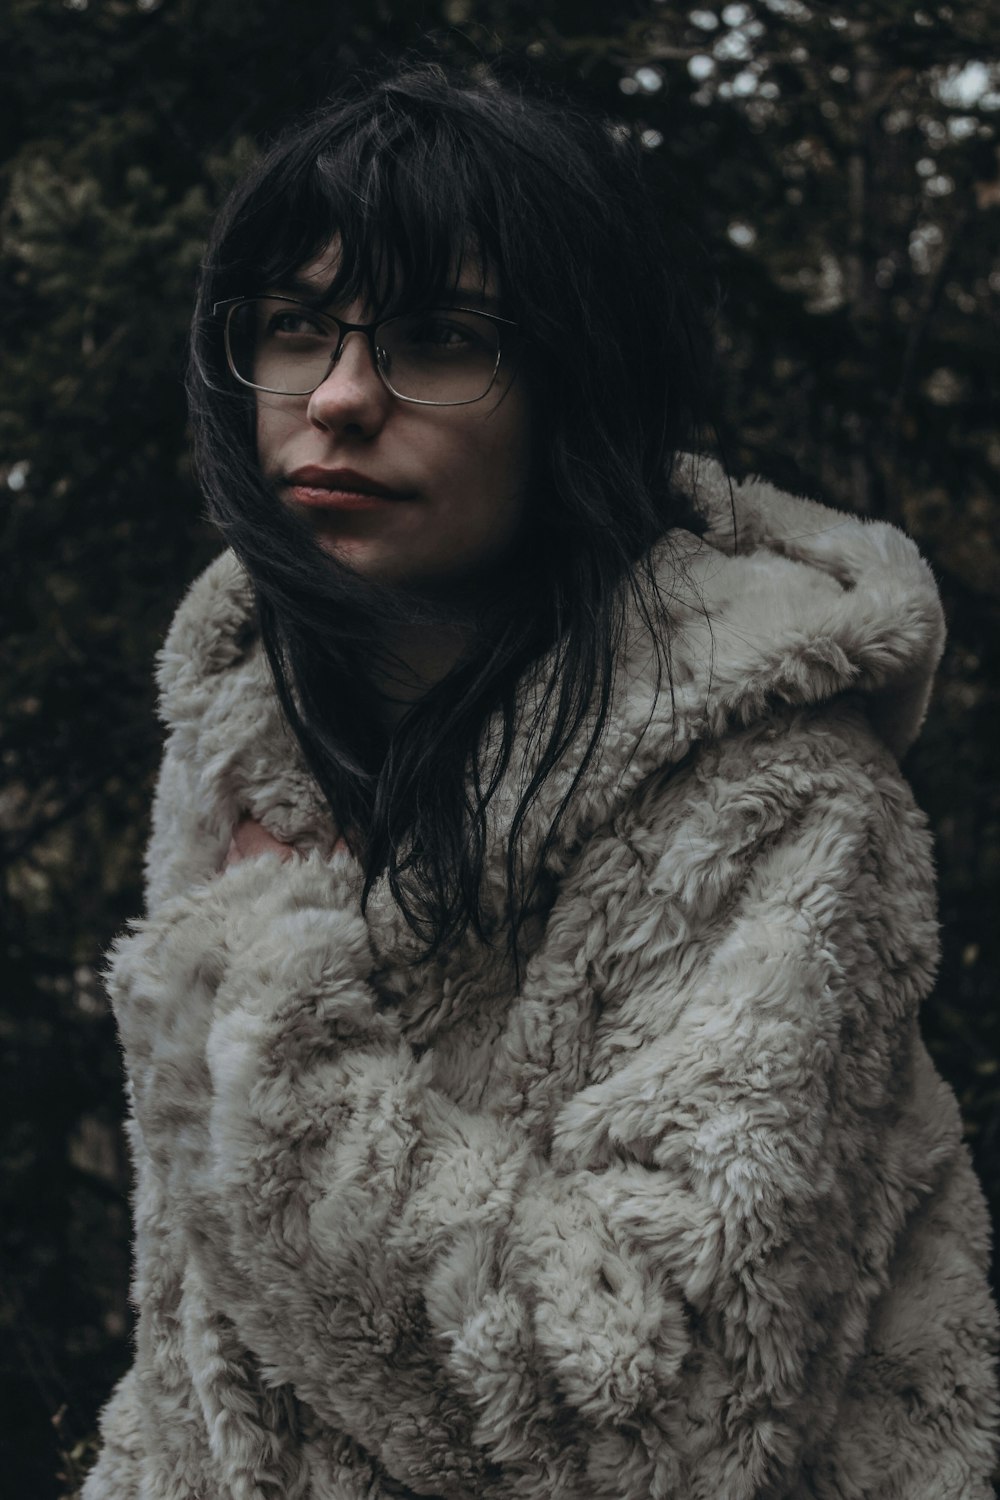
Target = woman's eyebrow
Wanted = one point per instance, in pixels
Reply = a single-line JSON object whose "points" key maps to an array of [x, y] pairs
{"points": [[294, 286]]}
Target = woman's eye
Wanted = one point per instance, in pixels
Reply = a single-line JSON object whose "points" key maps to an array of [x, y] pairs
{"points": [[441, 333], [292, 323]]}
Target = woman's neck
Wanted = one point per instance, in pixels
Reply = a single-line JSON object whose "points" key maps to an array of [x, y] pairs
{"points": [[414, 661]]}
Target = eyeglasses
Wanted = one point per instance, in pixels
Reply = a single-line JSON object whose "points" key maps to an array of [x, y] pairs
{"points": [[442, 356]]}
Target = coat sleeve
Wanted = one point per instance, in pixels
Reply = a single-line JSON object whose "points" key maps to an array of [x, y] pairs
{"points": [[671, 1295]]}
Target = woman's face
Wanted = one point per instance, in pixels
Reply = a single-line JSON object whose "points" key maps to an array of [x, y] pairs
{"points": [[457, 477]]}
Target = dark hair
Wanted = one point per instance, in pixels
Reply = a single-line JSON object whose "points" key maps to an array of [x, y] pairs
{"points": [[409, 170]]}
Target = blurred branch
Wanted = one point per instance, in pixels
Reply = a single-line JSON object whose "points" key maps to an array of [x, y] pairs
{"points": [[27, 836]]}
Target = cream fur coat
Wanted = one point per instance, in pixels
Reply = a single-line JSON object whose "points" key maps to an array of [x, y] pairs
{"points": [[686, 1217]]}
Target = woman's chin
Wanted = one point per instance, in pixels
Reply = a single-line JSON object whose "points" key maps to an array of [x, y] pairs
{"points": [[369, 560]]}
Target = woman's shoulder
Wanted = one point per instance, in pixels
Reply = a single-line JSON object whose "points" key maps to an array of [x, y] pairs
{"points": [[820, 773], [214, 630]]}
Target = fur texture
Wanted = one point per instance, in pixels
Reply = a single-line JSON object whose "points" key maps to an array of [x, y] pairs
{"points": [[686, 1217]]}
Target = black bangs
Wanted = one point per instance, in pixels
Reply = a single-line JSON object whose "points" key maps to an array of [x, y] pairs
{"points": [[397, 205]]}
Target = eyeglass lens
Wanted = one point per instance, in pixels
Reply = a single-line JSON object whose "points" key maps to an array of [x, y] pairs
{"points": [[444, 355]]}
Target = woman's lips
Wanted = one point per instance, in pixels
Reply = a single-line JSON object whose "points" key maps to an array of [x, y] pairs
{"points": [[338, 489]]}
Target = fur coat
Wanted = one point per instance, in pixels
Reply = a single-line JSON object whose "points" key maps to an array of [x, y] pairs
{"points": [[687, 1214]]}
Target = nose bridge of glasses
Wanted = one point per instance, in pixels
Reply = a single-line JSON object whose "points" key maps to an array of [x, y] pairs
{"points": [[344, 331]]}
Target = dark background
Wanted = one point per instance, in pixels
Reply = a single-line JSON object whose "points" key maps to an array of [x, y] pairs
{"points": [[842, 166]]}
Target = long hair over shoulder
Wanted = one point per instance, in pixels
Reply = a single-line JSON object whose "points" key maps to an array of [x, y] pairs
{"points": [[409, 173]]}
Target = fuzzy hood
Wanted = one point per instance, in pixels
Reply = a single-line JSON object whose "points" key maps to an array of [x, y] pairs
{"points": [[804, 603]]}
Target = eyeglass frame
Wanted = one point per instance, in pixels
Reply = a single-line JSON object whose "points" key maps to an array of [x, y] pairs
{"points": [[230, 304]]}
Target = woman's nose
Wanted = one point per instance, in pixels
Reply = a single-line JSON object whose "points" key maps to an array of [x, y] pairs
{"points": [[352, 397]]}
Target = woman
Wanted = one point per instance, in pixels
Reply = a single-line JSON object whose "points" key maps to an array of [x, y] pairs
{"points": [[526, 1091]]}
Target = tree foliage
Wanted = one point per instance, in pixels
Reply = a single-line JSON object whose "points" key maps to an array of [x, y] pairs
{"points": [[841, 164]]}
